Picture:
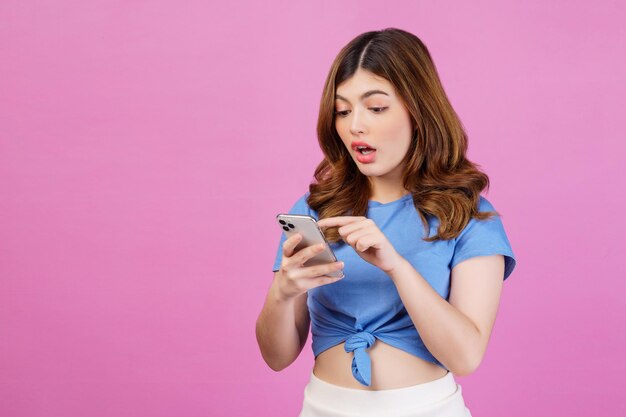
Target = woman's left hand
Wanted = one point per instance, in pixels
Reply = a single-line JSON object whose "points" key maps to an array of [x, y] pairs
{"points": [[367, 240]]}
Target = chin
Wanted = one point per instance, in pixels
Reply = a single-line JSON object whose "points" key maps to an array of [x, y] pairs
{"points": [[371, 171]]}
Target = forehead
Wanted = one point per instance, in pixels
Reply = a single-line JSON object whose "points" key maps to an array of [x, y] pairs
{"points": [[362, 81]]}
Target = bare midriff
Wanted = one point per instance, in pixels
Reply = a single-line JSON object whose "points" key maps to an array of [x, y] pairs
{"points": [[391, 368]]}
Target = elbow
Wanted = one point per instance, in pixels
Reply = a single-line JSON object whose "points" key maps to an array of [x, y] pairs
{"points": [[468, 365], [277, 367], [276, 353], [275, 362], [274, 365], [464, 370]]}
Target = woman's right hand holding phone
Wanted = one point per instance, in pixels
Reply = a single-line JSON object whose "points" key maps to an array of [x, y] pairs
{"points": [[293, 279]]}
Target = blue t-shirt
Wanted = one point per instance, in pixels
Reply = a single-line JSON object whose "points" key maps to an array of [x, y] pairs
{"points": [[365, 304]]}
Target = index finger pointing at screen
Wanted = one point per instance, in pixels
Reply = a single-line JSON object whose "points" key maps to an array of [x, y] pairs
{"points": [[339, 220]]}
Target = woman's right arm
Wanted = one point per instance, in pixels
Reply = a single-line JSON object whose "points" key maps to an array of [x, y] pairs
{"points": [[283, 324], [282, 327]]}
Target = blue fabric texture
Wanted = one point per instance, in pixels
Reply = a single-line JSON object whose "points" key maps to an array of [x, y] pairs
{"points": [[365, 304]]}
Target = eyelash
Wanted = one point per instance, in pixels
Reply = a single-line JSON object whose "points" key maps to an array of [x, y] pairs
{"points": [[382, 109]]}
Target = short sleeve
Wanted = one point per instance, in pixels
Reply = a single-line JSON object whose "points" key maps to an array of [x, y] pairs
{"points": [[299, 207], [484, 237]]}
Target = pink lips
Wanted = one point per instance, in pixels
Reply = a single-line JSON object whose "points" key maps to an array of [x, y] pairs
{"points": [[354, 145], [364, 159]]}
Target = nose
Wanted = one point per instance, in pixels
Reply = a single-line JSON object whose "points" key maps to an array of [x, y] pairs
{"points": [[356, 129], [356, 125]]}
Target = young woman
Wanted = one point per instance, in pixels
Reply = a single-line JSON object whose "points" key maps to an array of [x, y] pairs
{"points": [[424, 255]]}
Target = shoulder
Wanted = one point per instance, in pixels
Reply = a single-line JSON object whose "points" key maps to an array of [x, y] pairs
{"points": [[302, 207], [484, 204], [484, 237], [475, 225], [302, 200]]}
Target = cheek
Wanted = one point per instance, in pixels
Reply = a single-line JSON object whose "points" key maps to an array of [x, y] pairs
{"points": [[397, 126], [343, 131]]}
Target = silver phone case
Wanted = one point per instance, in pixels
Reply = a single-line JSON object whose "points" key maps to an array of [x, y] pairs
{"points": [[311, 235]]}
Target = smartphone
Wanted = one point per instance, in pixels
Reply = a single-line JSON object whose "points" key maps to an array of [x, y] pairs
{"points": [[311, 235]]}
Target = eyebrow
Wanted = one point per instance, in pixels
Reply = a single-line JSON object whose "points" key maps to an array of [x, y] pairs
{"points": [[363, 96]]}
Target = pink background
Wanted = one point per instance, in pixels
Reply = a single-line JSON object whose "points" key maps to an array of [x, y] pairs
{"points": [[146, 146]]}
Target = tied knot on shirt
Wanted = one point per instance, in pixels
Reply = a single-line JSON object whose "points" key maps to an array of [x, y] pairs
{"points": [[361, 363]]}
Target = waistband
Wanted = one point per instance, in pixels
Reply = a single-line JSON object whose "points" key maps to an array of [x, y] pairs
{"points": [[369, 402]]}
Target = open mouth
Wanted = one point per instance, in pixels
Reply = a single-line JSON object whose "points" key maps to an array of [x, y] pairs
{"points": [[364, 150]]}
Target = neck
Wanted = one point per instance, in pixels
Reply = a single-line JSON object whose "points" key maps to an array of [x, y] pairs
{"points": [[385, 190]]}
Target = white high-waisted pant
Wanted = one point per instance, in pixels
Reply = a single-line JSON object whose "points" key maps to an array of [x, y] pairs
{"points": [[439, 398]]}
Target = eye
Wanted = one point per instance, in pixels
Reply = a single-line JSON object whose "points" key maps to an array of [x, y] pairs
{"points": [[374, 109]]}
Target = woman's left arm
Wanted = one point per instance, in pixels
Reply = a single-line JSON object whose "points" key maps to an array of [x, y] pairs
{"points": [[457, 331]]}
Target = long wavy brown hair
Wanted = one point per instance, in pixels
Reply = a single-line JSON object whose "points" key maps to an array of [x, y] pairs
{"points": [[443, 182]]}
